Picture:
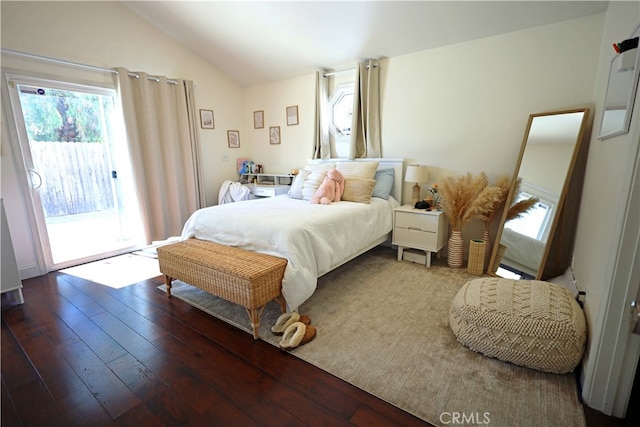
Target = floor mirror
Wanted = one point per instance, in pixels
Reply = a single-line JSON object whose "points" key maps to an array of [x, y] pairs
{"points": [[551, 148]]}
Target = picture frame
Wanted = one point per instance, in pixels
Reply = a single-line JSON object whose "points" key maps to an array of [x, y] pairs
{"points": [[292, 115], [233, 138], [206, 119], [274, 135], [258, 119]]}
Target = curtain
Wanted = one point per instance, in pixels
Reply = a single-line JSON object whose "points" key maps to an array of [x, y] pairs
{"points": [[365, 129], [322, 144], [164, 150]]}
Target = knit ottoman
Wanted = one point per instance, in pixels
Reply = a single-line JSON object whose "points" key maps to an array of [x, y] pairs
{"points": [[526, 322]]}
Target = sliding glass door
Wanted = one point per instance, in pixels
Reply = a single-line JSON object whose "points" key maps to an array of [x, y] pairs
{"points": [[76, 159]]}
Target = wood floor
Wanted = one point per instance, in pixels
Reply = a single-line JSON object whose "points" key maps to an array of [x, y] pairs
{"points": [[79, 353]]}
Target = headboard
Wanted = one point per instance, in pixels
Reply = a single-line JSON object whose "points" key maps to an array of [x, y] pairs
{"points": [[395, 163]]}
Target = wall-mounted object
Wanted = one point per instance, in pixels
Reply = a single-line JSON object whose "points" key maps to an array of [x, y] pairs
{"points": [[274, 135], [292, 115], [624, 71], [206, 119], [258, 119], [233, 138]]}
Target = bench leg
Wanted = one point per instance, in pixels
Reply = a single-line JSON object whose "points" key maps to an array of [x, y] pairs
{"points": [[167, 281], [282, 302], [254, 317]]}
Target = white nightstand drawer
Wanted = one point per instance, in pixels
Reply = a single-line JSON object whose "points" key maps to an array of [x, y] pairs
{"points": [[416, 221], [415, 238]]}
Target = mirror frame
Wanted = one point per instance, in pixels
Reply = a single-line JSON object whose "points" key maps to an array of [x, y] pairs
{"points": [[563, 194]]}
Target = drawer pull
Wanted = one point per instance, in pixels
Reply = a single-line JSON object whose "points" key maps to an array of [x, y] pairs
{"points": [[415, 228]]}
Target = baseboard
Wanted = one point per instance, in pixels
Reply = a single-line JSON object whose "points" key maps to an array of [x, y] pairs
{"points": [[30, 271]]}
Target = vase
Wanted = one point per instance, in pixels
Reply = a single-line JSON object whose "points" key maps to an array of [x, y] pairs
{"points": [[499, 255], [476, 257], [455, 249], [487, 247]]}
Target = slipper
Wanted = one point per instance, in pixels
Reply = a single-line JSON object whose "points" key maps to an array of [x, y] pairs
{"points": [[284, 321], [296, 335], [305, 319]]}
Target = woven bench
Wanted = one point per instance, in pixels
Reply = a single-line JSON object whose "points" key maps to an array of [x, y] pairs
{"points": [[246, 278]]}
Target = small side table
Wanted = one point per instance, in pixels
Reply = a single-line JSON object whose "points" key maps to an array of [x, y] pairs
{"points": [[419, 229]]}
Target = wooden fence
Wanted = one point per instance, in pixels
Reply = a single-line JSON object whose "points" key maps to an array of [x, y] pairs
{"points": [[75, 177]]}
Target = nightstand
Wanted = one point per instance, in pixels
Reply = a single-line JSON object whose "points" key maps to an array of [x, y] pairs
{"points": [[419, 229], [266, 184], [265, 190]]}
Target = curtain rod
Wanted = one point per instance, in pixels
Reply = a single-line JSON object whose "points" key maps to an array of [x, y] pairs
{"points": [[333, 73], [79, 65]]}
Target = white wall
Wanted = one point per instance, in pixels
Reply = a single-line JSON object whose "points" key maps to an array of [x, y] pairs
{"points": [[463, 107], [296, 141], [606, 188], [108, 34]]}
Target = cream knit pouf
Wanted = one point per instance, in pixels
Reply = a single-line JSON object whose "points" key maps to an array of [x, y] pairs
{"points": [[526, 322]]}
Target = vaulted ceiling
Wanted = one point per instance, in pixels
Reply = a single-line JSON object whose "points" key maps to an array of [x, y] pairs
{"points": [[264, 41]]}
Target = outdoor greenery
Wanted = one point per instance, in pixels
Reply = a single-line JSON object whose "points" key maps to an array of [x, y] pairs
{"points": [[62, 115]]}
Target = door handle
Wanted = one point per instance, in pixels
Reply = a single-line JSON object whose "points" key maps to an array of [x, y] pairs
{"points": [[635, 317], [35, 187]]}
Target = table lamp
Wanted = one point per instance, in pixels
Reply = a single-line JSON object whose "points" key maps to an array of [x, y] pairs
{"points": [[416, 173]]}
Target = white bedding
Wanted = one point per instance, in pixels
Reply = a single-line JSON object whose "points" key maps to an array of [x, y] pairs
{"points": [[523, 253], [313, 238]]}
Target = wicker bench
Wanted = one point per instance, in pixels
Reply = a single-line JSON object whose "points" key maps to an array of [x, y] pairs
{"points": [[247, 278]]}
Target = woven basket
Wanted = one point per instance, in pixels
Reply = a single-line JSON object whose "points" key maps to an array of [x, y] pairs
{"points": [[476, 257]]}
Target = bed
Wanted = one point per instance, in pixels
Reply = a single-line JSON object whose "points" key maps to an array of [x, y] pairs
{"points": [[523, 253], [315, 239]]}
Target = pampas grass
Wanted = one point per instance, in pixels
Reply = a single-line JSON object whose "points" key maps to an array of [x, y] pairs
{"points": [[494, 201], [460, 197], [521, 207], [467, 196]]}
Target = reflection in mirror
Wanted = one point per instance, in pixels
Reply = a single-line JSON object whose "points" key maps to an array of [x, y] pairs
{"points": [[621, 88], [544, 167]]}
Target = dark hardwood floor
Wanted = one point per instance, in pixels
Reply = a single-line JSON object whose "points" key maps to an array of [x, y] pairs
{"points": [[80, 353]]}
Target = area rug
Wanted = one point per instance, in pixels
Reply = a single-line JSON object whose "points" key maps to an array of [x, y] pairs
{"points": [[383, 327]]}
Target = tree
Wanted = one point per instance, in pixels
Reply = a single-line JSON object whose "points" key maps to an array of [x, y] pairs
{"points": [[60, 115]]}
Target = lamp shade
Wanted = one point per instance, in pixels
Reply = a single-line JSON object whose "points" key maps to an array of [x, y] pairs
{"points": [[416, 173]]}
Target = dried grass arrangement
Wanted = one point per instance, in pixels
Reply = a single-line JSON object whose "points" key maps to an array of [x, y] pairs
{"points": [[494, 198], [460, 197], [521, 207]]}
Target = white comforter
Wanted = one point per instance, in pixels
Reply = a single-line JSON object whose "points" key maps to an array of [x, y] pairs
{"points": [[313, 238]]}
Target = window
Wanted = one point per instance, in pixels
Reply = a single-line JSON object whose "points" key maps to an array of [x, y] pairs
{"points": [[340, 117], [536, 222]]}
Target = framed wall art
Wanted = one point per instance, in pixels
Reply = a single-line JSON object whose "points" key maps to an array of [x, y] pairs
{"points": [[274, 135], [206, 119], [233, 137], [292, 115], [258, 119]]}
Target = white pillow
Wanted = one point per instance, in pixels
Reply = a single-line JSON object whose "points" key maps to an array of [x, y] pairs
{"points": [[295, 192], [317, 172], [362, 170]]}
